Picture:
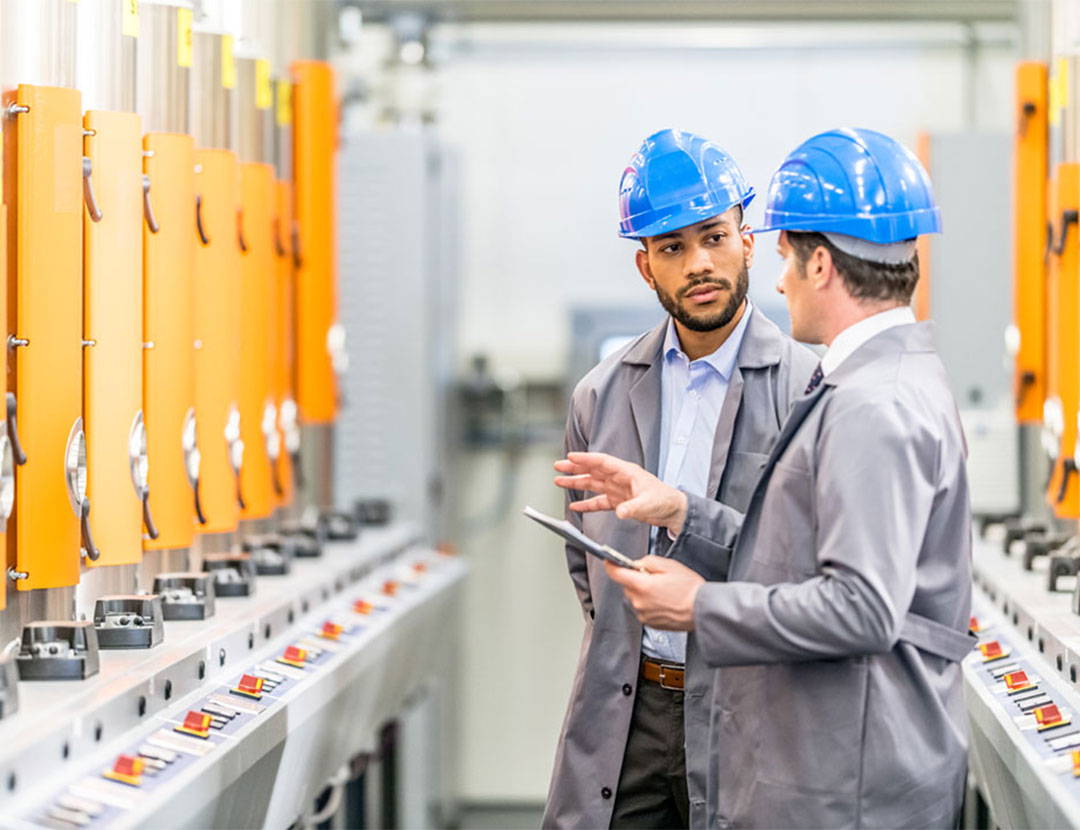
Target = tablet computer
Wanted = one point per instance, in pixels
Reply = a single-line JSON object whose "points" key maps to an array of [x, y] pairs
{"points": [[575, 537]]}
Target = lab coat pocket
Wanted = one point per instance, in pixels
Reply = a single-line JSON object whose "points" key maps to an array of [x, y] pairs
{"points": [[741, 476], [786, 541]]}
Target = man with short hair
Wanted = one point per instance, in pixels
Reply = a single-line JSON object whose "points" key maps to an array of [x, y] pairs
{"points": [[838, 633], [699, 401]]}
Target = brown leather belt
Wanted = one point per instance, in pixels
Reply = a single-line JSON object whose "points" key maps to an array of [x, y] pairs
{"points": [[667, 675]]}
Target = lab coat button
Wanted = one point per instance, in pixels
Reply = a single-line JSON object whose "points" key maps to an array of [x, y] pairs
{"points": [[606, 792], [627, 689]]}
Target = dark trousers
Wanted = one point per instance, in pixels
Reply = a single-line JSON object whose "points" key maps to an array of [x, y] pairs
{"points": [[652, 785]]}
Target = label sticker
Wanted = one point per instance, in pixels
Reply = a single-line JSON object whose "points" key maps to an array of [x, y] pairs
{"points": [[228, 63], [284, 103], [264, 93], [183, 37], [130, 18]]}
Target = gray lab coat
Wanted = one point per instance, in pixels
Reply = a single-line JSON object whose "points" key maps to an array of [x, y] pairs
{"points": [[838, 700], [616, 409]]}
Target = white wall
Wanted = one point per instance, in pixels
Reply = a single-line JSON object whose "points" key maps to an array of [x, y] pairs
{"points": [[545, 119]]}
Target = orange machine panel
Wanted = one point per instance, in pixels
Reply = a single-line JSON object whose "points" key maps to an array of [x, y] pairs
{"points": [[1063, 377], [1029, 224], [112, 330], [283, 364], [168, 332], [314, 147], [258, 283], [3, 359], [217, 337], [45, 202]]}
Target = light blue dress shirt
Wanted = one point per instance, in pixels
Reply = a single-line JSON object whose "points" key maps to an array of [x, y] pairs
{"points": [[692, 395]]}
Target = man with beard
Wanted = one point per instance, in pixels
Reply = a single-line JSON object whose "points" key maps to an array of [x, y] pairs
{"points": [[699, 401]]}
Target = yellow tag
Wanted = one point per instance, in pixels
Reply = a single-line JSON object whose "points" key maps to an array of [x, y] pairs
{"points": [[264, 93], [284, 103], [183, 37], [130, 14], [228, 63]]}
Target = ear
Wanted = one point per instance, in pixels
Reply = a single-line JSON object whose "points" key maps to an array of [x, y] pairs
{"points": [[747, 245], [820, 269], [642, 260]]}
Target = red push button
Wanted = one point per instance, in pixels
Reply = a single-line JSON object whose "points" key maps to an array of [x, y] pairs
{"points": [[992, 650], [249, 686], [974, 625], [294, 656], [127, 770], [1076, 763], [1050, 716], [419, 567], [196, 724], [390, 587], [1017, 681], [331, 630], [362, 606]]}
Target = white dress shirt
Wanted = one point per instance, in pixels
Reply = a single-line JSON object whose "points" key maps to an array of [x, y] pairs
{"points": [[692, 395], [847, 341]]}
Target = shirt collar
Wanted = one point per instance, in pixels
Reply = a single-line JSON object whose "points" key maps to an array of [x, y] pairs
{"points": [[849, 340], [723, 359]]}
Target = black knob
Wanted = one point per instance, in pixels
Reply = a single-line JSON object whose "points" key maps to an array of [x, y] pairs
{"points": [[606, 792], [627, 689]]}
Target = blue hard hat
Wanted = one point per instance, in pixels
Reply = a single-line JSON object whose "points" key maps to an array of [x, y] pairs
{"points": [[676, 179], [855, 182]]}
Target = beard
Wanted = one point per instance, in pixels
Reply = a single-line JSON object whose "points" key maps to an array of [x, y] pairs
{"points": [[673, 304]]}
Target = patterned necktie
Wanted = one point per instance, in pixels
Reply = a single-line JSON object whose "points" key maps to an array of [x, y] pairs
{"points": [[815, 380]]}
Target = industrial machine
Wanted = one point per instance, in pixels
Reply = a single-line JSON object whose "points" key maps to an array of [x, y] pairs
{"points": [[193, 632]]}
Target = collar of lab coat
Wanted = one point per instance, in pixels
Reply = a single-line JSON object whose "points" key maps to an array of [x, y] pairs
{"points": [[908, 338], [762, 344]]}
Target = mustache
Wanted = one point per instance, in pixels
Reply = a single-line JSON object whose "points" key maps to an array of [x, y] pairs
{"points": [[719, 283]]}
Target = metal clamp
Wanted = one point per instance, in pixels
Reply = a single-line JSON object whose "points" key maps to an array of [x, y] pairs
{"points": [[1027, 112], [148, 209], [16, 576], [1068, 218], [296, 258], [92, 553], [1024, 384], [148, 520], [198, 220], [88, 190], [198, 504], [17, 109]]}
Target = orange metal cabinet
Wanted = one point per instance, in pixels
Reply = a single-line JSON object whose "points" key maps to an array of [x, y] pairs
{"points": [[283, 365], [258, 412], [1028, 337], [112, 334], [168, 334], [1063, 354], [43, 193], [3, 367], [217, 339], [314, 147]]}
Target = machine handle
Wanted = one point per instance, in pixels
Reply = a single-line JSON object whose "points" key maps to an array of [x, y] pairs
{"points": [[298, 475], [240, 231], [88, 190], [198, 504], [1026, 381], [1068, 217], [297, 260], [148, 520], [1068, 469], [92, 553], [279, 248], [148, 209], [275, 476], [240, 493], [1027, 112], [198, 221], [13, 430]]}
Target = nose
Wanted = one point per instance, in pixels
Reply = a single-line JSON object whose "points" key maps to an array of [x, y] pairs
{"points": [[698, 262]]}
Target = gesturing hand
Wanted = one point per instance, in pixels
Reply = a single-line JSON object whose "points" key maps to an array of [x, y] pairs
{"points": [[622, 486]]}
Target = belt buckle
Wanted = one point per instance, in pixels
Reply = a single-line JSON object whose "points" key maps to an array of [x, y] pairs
{"points": [[663, 684]]}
